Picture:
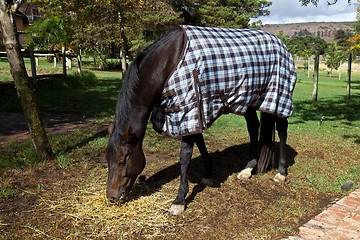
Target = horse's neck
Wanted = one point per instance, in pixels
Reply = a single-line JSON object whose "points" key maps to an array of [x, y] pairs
{"points": [[153, 70]]}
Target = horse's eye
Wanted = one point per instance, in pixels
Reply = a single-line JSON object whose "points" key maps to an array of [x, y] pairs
{"points": [[123, 161]]}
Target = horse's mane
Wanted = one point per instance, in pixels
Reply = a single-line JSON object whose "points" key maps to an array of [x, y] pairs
{"points": [[131, 81]]}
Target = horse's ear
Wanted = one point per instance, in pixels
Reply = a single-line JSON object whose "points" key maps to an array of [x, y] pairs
{"points": [[129, 136], [111, 128]]}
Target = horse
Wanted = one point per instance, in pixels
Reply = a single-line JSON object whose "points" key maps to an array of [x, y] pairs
{"points": [[263, 78]]}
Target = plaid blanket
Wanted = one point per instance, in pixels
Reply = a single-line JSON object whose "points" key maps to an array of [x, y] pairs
{"points": [[225, 71]]}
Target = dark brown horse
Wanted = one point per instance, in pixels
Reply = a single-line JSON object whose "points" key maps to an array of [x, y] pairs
{"points": [[143, 89]]}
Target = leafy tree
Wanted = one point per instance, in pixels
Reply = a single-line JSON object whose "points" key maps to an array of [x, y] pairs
{"points": [[341, 37], [352, 40], [334, 56], [307, 46], [354, 47], [221, 13], [102, 25], [47, 33], [301, 46], [319, 47], [24, 85], [130, 25], [236, 14]]}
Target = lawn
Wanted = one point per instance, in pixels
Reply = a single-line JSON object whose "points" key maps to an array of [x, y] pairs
{"points": [[65, 198]]}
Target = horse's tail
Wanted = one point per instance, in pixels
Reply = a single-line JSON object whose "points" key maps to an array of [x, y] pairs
{"points": [[266, 142]]}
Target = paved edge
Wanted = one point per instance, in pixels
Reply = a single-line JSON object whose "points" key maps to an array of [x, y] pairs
{"points": [[339, 221]]}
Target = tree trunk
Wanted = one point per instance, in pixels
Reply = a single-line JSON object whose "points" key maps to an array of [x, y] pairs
{"points": [[63, 52], [316, 78], [124, 44], [79, 62], [348, 85], [24, 85], [33, 65]]}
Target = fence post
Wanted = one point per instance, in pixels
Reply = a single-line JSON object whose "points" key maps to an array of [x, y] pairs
{"points": [[348, 84], [79, 62], [33, 64], [63, 60]]}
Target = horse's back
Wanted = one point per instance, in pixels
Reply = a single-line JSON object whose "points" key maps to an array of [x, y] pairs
{"points": [[236, 68]]}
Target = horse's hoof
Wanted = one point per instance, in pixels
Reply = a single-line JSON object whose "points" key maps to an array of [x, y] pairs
{"points": [[208, 182], [279, 178], [245, 174], [176, 209]]}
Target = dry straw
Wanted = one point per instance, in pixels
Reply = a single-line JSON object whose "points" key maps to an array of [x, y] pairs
{"points": [[93, 216]]}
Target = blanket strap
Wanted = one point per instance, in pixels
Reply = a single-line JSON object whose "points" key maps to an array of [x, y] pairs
{"points": [[202, 124]]}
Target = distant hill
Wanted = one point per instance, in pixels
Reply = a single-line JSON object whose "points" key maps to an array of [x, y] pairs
{"points": [[325, 30]]}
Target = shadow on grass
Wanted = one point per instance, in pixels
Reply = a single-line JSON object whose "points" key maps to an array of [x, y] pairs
{"points": [[80, 94], [96, 98], [355, 84], [331, 109], [21, 154], [226, 163], [86, 141]]}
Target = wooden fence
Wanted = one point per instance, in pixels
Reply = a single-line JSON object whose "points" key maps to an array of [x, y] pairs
{"points": [[34, 60]]}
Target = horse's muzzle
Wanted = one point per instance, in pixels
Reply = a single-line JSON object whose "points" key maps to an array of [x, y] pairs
{"points": [[114, 197]]}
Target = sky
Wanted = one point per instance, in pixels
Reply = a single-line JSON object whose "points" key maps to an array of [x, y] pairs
{"points": [[291, 11]]}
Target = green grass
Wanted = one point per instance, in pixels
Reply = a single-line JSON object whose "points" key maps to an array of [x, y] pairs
{"points": [[341, 116], [324, 157], [94, 95], [45, 67], [86, 94], [7, 192]]}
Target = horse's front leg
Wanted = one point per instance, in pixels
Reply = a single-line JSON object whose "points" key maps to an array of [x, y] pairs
{"points": [[281, 127], [187, 144], [253, 124]]}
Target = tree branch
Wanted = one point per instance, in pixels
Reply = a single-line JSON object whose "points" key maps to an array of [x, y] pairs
{"points": [[334, 2], [315, 2]]}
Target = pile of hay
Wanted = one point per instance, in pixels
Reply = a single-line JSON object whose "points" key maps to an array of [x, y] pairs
{"points": [[93, 216]]}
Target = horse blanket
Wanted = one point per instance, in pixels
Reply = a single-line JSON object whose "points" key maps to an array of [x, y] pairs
{"points": [[225, 71]]}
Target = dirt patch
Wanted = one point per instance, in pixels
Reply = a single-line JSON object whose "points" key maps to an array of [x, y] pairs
{"points": [[53, 203], [13, 125]]}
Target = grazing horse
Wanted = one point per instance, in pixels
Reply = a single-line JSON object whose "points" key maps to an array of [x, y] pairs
{"points": [[185, 81]]}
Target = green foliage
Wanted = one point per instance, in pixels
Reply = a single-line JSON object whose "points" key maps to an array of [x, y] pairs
{"points": [[222, 16], [17, 155], [47, 33], [64, 161], [6, 192], [282, 37], [220, 13], [307, 2], [341, 37], [147, 22], [96, 25], [334, 56], [306, 46]]}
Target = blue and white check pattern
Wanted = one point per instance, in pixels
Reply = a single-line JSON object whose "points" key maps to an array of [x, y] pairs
{"points": [[236, 68]]}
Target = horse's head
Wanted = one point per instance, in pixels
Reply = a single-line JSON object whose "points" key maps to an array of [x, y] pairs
{"points": [[126, 161]]}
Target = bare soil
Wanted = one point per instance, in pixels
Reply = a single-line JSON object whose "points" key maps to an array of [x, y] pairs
{"points": [[232, 210]]}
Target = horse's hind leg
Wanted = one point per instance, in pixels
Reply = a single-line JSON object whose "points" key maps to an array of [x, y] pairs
{"points": [[208, 179], [187, 144], [281, 127], [253, 124]]}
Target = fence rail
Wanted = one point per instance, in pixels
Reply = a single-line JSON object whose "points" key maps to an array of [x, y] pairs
{"points": [[35, 55]]}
